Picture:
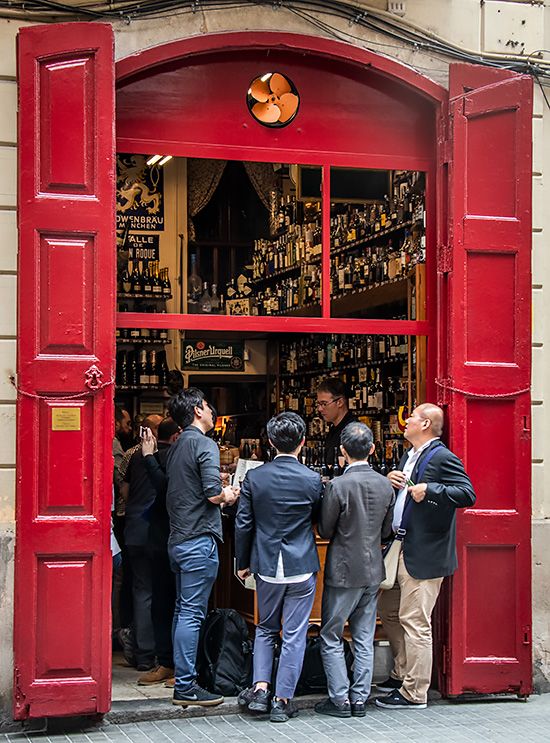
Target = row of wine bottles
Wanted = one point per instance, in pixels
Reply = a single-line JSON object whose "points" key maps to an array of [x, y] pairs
{"points": [[332, 352], [142, 368], [144, 277]]}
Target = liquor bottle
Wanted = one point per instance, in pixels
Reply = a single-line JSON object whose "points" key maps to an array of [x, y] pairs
{"points": [[163, 332], [122, 369], [146, 283], [162, 369], [166, 285], [215, 301], [125, 280], [154, 377], [246, 450], [155, 280], [205, 300], [136, 280], [133, 379], [124, 332], [336, 466], [194, 285], [395, 458], [143, 369]]}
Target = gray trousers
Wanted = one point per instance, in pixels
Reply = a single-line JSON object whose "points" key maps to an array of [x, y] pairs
{"points": [[288, 605], [358, 606]]}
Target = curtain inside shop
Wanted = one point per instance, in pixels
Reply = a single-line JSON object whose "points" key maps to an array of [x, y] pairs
{"points": [[203, 177]]}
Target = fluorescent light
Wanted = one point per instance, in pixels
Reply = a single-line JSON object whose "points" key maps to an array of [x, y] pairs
{"points": [[165, 159], [266, 76], [153, 159]]}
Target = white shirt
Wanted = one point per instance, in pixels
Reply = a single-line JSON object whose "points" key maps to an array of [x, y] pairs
{"points": [[280, 576], [402, 494]]}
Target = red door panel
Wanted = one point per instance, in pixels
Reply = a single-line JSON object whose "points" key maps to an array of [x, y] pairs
{"points": [[65, 370], [488, 368]]}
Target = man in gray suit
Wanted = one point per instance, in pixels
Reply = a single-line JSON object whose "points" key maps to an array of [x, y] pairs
{"points": [[356, 513]]}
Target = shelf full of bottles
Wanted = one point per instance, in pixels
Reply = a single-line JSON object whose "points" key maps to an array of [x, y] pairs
{"points": [[379, 372], [141, 286], [373, 249]]}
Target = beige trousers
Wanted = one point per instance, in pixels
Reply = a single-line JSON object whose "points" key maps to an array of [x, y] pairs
{"points": [[405, 611]]}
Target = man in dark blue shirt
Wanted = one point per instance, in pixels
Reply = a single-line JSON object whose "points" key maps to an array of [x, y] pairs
{"points": [[193, 500]]}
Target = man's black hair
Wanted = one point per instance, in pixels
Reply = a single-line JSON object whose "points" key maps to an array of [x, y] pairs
{"points": [[181, 406], [167, 428], [286, 431], [356, 438], [335, 386]]}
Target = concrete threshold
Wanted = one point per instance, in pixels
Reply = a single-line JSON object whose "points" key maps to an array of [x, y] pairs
{"points": [[162, 709]]}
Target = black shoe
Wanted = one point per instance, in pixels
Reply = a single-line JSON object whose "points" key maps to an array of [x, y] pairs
{"points": [[358, 709], [389, 685], [127, 642], [195, 695], [396, 700], [328, 707], [143, 667], [281, 712], [255, 701]]}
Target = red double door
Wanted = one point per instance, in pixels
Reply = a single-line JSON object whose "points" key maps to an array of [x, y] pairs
{"points": [[66, 363]]}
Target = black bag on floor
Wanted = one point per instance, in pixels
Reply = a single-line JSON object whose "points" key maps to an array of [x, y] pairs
{"points": [[313, 679], [224, 655]]}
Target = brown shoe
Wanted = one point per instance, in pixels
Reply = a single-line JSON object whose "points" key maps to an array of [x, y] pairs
{"points": [[170, 683], [156, 676]]}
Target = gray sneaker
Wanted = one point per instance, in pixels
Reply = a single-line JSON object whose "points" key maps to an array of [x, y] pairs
{"points": [[281, 712], [255, 701], [195, 695]]}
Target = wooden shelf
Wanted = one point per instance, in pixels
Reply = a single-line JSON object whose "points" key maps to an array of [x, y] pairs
{"points": [[144, 296], [362, 299], [144, 341]]}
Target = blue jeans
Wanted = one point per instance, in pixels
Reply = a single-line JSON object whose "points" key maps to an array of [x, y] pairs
{"points": [[195, 563]]}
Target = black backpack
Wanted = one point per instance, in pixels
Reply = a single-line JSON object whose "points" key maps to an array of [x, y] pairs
{"points": [[224, 656], [313, 679]]}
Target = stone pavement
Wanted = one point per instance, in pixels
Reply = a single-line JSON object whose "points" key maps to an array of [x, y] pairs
{"points": [[492, 720]]}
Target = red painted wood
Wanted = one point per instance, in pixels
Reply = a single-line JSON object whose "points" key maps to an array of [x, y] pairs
{"points": [[273, 324], [66, 325], [488, 320], [189, 98]]}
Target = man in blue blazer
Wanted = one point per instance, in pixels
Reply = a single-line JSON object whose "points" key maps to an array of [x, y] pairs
{"points": [[274, 540], [441, 486]]}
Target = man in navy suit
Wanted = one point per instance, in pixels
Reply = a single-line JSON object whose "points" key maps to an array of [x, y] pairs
{"points": [[274, 540], [428, 554]]}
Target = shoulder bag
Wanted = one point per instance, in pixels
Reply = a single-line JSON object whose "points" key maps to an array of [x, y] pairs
{"points": [[392, 550]]}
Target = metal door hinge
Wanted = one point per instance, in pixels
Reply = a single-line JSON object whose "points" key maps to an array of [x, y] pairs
{"points": [[444, 259], [444, 388]]}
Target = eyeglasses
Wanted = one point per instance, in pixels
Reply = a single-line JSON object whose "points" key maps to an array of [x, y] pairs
{"points": [[323, 404]]}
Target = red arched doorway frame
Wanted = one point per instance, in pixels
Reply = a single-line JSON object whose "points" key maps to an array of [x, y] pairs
{"points": [[482, 253]]}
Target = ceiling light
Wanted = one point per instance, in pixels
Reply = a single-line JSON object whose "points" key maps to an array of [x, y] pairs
{"points": [[153, 159], [165, 159]]}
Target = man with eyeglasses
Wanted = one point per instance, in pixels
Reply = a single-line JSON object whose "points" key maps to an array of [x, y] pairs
{"points": [[332, 403], [193, 499]]}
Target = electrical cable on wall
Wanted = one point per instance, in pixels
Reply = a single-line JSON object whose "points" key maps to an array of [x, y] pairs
{"points": [[361, 15]]}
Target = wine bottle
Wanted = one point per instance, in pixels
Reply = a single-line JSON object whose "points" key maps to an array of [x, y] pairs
{"points": [[143, 369], [215, 301], [146, 283], [155, 281], [336, 465], [125, 281], [166, 285], [194, 286], [154, 377], [205, 300], [136, 280]]}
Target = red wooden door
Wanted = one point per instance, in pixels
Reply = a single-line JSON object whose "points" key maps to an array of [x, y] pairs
{"points": [[485, 367], [66, 332]]}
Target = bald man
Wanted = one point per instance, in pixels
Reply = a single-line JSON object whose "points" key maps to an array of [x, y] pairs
{"points": [[439, 486]]}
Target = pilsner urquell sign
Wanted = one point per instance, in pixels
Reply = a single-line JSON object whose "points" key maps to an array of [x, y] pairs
{"points": [[201, 355]]}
